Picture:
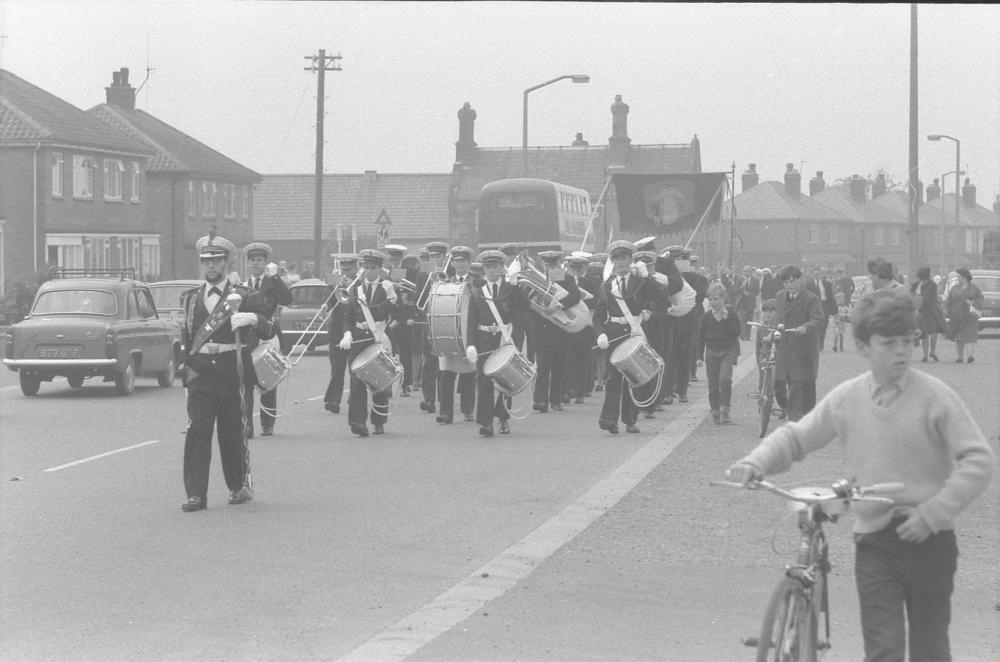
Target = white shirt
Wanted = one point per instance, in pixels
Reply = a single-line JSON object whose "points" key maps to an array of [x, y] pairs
{"points": [[211, 299]]}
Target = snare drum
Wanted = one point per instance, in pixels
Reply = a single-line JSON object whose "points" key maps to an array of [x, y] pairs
{"points": [[269, 365], [448, 318], [510, 371], [636, 360], [376, 367]]}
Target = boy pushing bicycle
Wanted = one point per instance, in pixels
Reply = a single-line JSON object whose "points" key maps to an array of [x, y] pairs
{"points": [[894, 425]]}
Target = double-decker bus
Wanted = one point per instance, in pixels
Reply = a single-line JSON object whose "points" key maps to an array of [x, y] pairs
{"points": [[541, 214]]}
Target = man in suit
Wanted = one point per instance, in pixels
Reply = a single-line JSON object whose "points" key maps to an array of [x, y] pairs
{"points": [[823, 289], [264, 279], [371, 304], [798, 355], [334, 330], [220, 316], [551, 341], [461, 260], [494, 304]]}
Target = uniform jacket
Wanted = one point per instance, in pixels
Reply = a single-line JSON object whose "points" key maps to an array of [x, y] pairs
{"points": [[829, 304], [274, 291], [382, 310], [799, 355], [688, 322], [545, 331], [512, 304], [639, 295]]}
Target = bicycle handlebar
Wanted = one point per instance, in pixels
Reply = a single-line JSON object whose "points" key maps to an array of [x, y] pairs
{"points": [[842, 489]]}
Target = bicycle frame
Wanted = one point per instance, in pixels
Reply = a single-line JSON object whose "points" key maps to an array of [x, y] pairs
{"points": [[812, 563], [765, 389]]}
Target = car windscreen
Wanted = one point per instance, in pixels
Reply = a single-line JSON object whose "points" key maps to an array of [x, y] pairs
{"points": [[168, 297], [308, 296], [987, 283], [77, 302]]}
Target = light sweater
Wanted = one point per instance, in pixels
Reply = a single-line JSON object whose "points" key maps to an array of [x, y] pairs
{"points": [[926, 439]]}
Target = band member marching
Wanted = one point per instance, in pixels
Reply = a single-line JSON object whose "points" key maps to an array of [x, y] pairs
{"points": [[369, 310], [436, 251], [400, 332], [264, 279], [551, 342], [578, 357], [461, 260], [219, 318], [493, 308], [334, 330]]}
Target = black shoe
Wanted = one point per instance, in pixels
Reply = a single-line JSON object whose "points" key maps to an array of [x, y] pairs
{"points": [[540, 407], [557, 407], [682, 398], [444, 420], [194, 504], [610, 426], [923, 360], [578, 401], [332, 407], [934, 358], [360, 430], [267, 432], [380, 429], [959, 360], [485, 430], [404, 392], [599, 387], [427, 407], [240, 496], [504, 427], [566, 399], [469, 418], [632, 427], [970, 359], [668, 400]]}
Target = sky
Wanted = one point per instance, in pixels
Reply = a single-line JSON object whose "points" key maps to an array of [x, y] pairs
{"points": [[825, 87]]}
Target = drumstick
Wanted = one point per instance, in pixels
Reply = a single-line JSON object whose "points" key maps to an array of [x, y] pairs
{"points": [[613, 340]]}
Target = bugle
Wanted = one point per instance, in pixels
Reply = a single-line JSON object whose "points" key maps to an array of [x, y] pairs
{"points": [[423, 298], [542, 293]]}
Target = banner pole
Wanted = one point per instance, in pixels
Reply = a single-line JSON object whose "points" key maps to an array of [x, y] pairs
{"points": [[594, 212], [704, 214]]}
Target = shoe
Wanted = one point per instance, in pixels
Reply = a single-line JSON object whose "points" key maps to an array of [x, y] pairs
{"points": [[380, 429], [960, 360], [360, 430], [682, 398], [923, 360], [659, 407], [934, 358], [443, 420], [610, 426], [404, 392], [599, 387], [566, 400], [540, 407], [716, 417], [725, 417], [649, 414], [194, 504], [427, 407], [632, 427], [970, 359], [504, 427], [693, 378], [485, 430], [267, 432], [668, 399], [469, 418], [332, 407], [240, 496], [578, 401], [557, 407]]}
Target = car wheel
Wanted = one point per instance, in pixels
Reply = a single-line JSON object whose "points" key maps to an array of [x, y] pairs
{"points": [[125, 380], [29, 382], [166, 378], [75, 381]]}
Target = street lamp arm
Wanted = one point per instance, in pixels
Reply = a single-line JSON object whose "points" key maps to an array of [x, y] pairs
{"points": [[576, 78]]}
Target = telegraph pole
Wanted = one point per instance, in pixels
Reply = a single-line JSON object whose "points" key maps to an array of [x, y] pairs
{"points": [[913, 227], [321, 63]]}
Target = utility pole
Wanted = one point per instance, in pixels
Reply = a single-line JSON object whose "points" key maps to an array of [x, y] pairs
{"points": [[913, 228], [321, 63]]}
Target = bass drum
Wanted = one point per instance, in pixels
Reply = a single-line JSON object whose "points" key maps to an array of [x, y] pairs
{"points": [[376, 367], [448, 318], [511, 372], [636, 360]]}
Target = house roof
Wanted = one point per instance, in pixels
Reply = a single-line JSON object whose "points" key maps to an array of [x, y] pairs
{"points": [[769, 201], [840, 199], [899, 203], [29, 114], [978, 215], [175, 151], [417, 204]]}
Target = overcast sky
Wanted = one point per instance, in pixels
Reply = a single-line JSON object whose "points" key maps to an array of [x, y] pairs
{"points": [[822, 86]]}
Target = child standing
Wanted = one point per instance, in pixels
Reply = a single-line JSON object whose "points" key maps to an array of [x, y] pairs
{"points": [[843, 316], [769, 317], [720, 336], [894, 424]]}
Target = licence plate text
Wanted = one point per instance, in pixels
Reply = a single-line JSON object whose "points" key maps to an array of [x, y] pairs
{"points": [[60, 351]]}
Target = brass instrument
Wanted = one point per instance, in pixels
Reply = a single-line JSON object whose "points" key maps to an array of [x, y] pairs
{"points": [[423, 298], [542, 293], [404, 285]]}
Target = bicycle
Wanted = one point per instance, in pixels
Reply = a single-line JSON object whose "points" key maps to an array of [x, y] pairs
{"points": [[790, 631], [765, 389]]}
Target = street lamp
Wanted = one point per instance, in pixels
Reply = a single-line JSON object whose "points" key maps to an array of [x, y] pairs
{"points": [[576, 78], [944, 273], [958, 168]]}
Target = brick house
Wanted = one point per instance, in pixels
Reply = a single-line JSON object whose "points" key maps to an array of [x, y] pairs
{"points": [[191, 187], [73, 191]]}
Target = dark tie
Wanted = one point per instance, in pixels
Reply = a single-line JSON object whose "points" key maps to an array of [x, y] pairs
{"points": [[621, 285], [256, 283], [496, 290], [368, 292], [215, 292]]}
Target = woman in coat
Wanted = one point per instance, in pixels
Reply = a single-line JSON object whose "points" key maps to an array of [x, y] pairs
{"points": [[962, 305], [930, 319]]}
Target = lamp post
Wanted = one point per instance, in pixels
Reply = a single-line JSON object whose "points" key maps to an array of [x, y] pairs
{"points": [[944, 273], [576, 78], [958, 169]]}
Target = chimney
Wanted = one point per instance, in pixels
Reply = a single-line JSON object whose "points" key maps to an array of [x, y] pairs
{"points": [[816, 184], [465, 148], [370, 177], [579, 141], [878, 186], [934, 190], [120, 93], [750, 177], [859, 188], [969, 194], [619, 142], [793, 181]]}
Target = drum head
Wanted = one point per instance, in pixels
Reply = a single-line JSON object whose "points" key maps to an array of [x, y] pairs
{"points": [[627, 346], [366, 356], [497, 359]]}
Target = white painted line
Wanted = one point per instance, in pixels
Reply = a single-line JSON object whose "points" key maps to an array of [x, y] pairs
{"points": [[97, 457], [315, 397], [489, 582]]}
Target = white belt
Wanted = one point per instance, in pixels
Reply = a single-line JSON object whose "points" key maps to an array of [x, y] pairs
{"points": [[493, 328], [618, 320], [364, 326], [216, 348]]}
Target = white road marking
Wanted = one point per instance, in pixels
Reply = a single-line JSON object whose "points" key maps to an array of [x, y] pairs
{"points": [[492, 580], [97, 457], [316, 397]]}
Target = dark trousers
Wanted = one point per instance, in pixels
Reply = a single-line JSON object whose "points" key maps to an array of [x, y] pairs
{"points": [[801, 397], [268, 405], [338, 366], [719, 372], [402, 344], [824, 325], [780, 390], [697, 348], [466, 392], [357, 401], [578, 368], [617, 398], [490, 402], [904, 584], [679, 366], [207, 410], [429, 374], [551, 371]]}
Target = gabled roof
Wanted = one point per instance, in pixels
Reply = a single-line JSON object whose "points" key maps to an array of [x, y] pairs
{"points": [[175, 151], [978, 215], [417, 205], [840, 199], [29, 114], [769, 201], [898, 202]]}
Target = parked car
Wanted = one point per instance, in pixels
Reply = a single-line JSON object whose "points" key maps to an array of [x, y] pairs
{"points": [[85, 327], [167, 297], [988, 280], [294, 319]]}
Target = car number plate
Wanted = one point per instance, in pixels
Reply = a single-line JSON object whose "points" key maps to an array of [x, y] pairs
{"points": [[301, 326], [60, 351]]}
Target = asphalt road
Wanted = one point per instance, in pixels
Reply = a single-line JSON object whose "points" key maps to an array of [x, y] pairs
{"points": [[558, 542]]}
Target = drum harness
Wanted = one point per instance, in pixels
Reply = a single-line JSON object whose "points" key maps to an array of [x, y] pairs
{"points": [[636, 326], [379, 335], [505, 333]]}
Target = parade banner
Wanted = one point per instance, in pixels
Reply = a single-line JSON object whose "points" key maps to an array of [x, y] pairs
{"points": [[658, 204]]}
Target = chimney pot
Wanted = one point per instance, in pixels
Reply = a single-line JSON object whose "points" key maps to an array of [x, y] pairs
{"points": [[793, 181], [465, 148], [816, 184], [934, 190], [859, 188], [124, 73], [969, 193], [750, 177]]}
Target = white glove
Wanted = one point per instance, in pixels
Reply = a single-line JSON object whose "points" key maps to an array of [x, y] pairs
{"points": [[512, 279], [345, 342], [390, 291], [646, 315], [271, 269], [641, 269], [239, 320], [410, 322], [471, 354], [602, 341], [234, 278]]}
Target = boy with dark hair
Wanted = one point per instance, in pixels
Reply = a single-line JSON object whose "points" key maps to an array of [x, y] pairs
{"points": [[894, 424], [762, 342]]}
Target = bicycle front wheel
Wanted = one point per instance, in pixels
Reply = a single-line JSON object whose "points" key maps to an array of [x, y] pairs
{"points": [[789, 630], [765, 402]]}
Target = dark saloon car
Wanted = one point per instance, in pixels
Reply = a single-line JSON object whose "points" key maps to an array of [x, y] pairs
{"points": [[988, 280], [307, 297], [81, 328], [167, 297]]}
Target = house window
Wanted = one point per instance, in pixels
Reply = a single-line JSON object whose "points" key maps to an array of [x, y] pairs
{"points": [[114, 173], [813, 234], [894, 236], [135, 184], [150, 265], [879, 236], [57, 174], [192, 201], [245, 201], [970, 242], [209, 191], [229, 198], [83, 176], [831, 234]]}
